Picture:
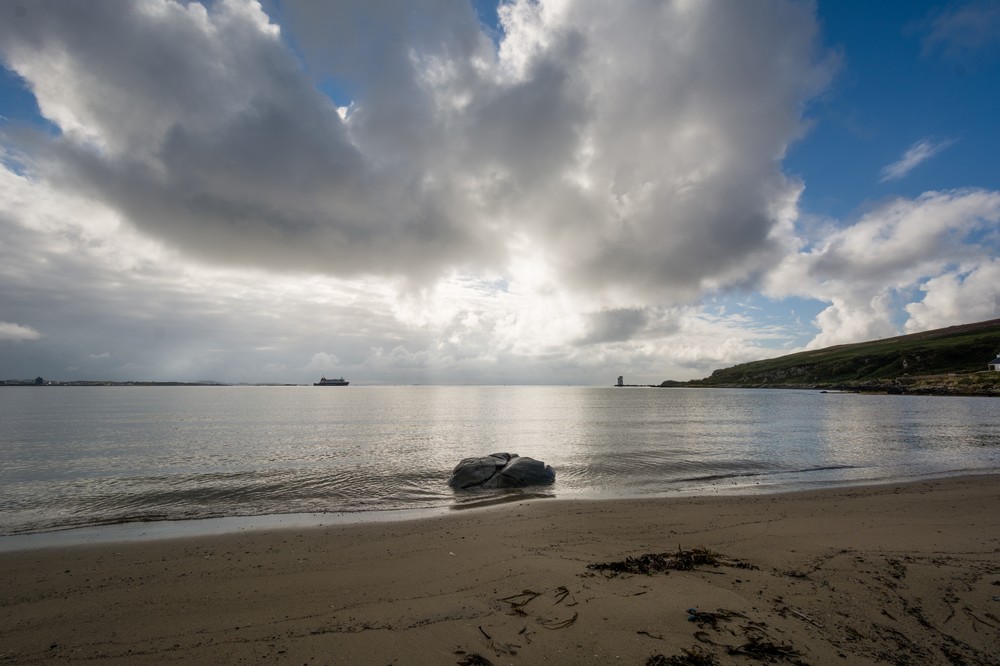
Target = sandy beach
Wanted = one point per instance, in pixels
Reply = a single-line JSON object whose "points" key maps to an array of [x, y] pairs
{"points": [[897, 574]]}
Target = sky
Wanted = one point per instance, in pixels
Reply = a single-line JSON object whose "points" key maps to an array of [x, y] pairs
{"points": [[450, 192]]}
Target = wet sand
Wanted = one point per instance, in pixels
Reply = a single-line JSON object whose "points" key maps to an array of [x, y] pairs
{"points": [[897, 574]]}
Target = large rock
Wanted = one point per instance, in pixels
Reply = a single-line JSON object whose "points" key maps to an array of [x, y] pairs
{"points": [[500, 470]]}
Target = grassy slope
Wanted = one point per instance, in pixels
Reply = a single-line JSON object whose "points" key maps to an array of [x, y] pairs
{"points": [[948, 360]]}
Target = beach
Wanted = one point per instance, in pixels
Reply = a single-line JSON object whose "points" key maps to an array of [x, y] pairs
{"points": [[894, 573]]}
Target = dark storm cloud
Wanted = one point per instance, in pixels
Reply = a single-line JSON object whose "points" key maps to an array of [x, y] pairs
{"points": [[614, 326]]}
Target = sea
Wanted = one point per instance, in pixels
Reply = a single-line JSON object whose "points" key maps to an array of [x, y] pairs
{"points": [[88, 462]]}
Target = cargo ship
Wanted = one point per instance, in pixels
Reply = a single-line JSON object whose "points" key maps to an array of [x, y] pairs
{"points": [[331, 382]]}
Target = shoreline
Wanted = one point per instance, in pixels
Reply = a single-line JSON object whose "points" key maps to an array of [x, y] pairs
{"points": [[868, 573], [167, 529]]}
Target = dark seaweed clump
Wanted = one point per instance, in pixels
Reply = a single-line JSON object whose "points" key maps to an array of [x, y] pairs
{"points": [[686, 658], [682, 560]]}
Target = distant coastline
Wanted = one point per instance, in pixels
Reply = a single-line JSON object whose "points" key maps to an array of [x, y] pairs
{"points": [[34, 383], [948, 361]]}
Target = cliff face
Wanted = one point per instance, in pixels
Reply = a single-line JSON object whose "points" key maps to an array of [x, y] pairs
{"points": [[950, 360]]}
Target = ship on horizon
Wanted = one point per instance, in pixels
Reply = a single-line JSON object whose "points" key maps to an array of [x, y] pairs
{"points": [[331, 382]]}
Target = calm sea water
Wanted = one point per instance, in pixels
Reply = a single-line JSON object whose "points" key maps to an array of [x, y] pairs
{"points": [[91, 456]]}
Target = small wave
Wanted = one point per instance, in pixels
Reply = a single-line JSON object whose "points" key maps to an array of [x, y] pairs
{"points": [[739, 475], [825, 468], [718, 477]]}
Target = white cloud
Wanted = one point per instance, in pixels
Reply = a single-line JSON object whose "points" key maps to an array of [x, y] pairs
{"points": [[915, 155], [854, 320], [200, 127], [861, 268], [895, 244], [322, 362], [962, 26], [957, 297], [549, 208], [17, 332], [656, 183]]}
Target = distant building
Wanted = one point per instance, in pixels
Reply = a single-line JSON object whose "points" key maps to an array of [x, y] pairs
{"points": [[994, 364], [621, 378]]}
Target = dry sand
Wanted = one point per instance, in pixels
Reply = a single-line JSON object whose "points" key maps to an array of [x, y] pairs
{"points": [[899, 574]]}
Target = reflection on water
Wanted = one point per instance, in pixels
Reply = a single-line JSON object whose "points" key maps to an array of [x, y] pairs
{"points": [[911, 435], [482, 499], [89, 456]]}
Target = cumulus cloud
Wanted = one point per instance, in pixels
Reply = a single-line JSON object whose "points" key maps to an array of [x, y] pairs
{"points": [[957, 296], [17, 332], [636, 171], [200, 127], [663, 190], [322, 362], [915, 155], [861, 268], [854, 317], [394, 190]]}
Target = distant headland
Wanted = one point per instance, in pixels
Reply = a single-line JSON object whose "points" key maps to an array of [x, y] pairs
{"points": [[958, 360]]}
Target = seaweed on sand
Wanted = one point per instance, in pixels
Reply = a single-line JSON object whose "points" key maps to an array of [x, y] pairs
{"points": [[762, 650], [682, 560], [518, 602], [703, 618], [694, 657]]}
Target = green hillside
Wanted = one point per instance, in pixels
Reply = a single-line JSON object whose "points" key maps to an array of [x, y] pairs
{"points": [[948, 360]]}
